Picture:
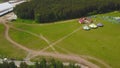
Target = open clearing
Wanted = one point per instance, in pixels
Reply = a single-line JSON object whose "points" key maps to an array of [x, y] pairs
{"points": [[67, 37], [7, 49]]}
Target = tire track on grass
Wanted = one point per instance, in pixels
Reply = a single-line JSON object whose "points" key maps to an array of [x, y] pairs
{"points": [[98, 60], [61, 39], [49, 43], [75, 58], [10, 40], [61, 56], [88, 57], [38, 36]]}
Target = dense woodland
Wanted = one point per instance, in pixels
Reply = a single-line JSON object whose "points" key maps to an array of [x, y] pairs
{"points": [[41, 64], [54, 10]]}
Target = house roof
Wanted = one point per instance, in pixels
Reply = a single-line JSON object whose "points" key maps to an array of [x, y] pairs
{"points": [[5, 6]]}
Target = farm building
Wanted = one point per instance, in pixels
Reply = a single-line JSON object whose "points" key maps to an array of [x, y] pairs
{"points": [[5, 8]]}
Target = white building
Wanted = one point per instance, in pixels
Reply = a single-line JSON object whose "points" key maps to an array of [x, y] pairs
{"points": [[5, 8]]}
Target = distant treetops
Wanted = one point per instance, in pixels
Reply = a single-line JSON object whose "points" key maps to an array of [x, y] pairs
{"points": [[43, 63], [54, 10]]}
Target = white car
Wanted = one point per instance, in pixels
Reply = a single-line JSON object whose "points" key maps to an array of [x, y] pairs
{"points": [[93, 26], [86, 27]]}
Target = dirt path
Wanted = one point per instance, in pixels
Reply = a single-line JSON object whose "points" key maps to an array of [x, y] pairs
{"points": [[66, 36], [98, 60], [33, 54], [45, 39], [38, 36], [11, 41], [67, 57], [33, 34], [87, 57]]}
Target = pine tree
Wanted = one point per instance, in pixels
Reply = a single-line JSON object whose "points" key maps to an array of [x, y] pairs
{"points": [[59, 64], [52, 64], [5, 64], [23, 65], [43, 63], [37, 64], [12, 65]]}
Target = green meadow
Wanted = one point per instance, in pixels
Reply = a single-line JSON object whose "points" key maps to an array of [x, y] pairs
{"points": [[7, 49], [102, 43]]}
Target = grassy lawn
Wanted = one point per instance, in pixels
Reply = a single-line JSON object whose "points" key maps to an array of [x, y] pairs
{"points": [[52, 32], [28, 40], [102, 43], [7, 49]]}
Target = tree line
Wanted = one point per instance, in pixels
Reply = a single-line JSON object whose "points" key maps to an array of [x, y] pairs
{"points": [[54, 10], [39, 64]]}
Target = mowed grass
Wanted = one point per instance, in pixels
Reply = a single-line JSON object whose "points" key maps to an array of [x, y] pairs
{"points": [[52, 32], [27, 40], [102, 43], [7, 49]]}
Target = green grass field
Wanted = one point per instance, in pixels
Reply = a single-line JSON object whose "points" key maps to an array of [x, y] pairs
{"points": [[7, 49], [51, 31], [28, 40], [102, 43]]}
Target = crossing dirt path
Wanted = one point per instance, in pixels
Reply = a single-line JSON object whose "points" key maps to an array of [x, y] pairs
{"points": [[61, 39], [38, 36], [33, 53]]}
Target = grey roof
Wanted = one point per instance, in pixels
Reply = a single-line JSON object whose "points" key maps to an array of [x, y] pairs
{"points": [[5, 6]]}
